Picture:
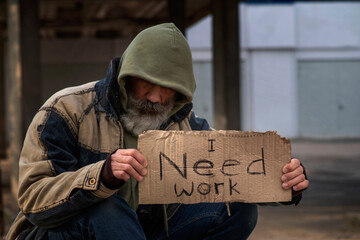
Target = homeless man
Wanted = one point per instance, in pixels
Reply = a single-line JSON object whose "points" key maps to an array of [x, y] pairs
{"points": [[79, 167]]}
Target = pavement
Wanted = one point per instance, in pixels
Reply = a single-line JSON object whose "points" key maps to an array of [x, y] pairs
{"points": [[330, 208]]}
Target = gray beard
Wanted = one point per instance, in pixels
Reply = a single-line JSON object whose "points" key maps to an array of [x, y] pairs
{"points": [[143, 115]]}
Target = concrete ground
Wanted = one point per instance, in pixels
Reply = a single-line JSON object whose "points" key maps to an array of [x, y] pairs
{"points": [[330, 208]]}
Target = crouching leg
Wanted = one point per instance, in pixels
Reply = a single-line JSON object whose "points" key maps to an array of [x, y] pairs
{"points": [[111, 218]]}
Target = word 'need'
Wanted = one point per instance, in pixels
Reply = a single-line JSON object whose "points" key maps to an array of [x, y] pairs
{"points": [[204, 167]]}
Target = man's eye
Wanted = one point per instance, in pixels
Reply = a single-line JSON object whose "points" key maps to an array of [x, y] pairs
{"points": [[147, 84]]}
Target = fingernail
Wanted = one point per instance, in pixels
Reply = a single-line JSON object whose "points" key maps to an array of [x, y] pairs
{"points": [[285, 185], [284, 179]]}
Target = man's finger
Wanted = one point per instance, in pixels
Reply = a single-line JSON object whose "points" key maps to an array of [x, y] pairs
{"points": [[121, 175], [124, 162], [301, 186], [121, 170], [294, 181], [135, 154], [134, 164], [293, 174], [294, 163]]}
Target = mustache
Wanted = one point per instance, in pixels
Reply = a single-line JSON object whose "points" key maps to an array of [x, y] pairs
{"points": [[148, 107]]}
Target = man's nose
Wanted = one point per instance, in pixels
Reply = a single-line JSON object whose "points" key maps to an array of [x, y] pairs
{"points": [[154, 94]]}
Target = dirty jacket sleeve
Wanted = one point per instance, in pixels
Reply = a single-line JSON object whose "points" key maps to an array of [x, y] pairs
{"points": [[58, 177]]}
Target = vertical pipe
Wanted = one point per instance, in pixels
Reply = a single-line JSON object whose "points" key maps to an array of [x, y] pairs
{"points": [[3, 143], [177, 14], [2, 125], [226, 64], [30, 61], [14, 89]]}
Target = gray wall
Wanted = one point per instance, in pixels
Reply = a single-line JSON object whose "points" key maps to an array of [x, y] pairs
{"points": [[66, 63], [203, 98], [329, 98]]}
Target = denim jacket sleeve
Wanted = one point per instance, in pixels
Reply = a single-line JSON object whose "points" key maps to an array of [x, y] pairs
{"points": [[58, 175], [197, 123]]}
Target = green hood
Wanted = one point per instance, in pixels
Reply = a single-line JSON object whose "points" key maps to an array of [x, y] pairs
{"points": [[162, 56]]}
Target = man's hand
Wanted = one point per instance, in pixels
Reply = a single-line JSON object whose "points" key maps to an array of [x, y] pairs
{"points": [[128, 162], [294, 176]]}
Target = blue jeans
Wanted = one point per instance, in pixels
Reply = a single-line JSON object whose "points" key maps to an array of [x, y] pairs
{"points": [[114, 219]]}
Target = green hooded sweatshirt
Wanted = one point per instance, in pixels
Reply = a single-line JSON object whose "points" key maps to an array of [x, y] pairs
{"points": [[162, 56]]}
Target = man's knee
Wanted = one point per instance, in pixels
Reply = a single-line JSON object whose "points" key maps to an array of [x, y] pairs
{"points": [[111, 209], [246, 213], [110, 218]]}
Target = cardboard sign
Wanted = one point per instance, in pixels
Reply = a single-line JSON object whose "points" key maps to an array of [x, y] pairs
{"points": [[213, 166]]}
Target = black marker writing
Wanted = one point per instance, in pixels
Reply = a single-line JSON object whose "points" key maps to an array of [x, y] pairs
{"points": [[184, 191], [211, 141], [232, 187], [216, 187], [204, 164], [162, 155], [229, 163], [259, 160], [204, 188]]}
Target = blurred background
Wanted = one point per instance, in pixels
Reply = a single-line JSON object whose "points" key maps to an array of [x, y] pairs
{"points": [[287, 66]]}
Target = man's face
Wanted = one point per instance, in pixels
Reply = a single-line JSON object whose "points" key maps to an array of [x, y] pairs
{"points": [[145, 90], [148, 106]]}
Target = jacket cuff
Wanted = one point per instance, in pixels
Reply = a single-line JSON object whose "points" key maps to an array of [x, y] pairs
{"points": [[107, 177], [295, 200], [93, 181], [103, 191]]}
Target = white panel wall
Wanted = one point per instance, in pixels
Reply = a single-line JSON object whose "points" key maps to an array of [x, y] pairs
{"points": [[270, 26], [274, 39], [272, 83], [274, 92], [325, 25], [199, 36], [203, 97]]}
